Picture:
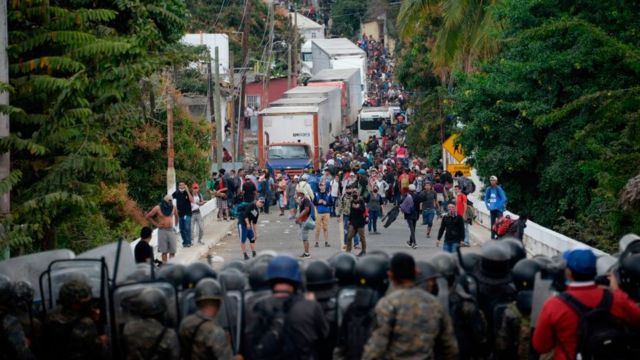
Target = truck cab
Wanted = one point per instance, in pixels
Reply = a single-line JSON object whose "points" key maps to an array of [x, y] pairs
{"points": [[369, 121], [293, 157]]}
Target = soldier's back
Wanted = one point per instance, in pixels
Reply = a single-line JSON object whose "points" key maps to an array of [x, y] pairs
{"points": [[149, 339], [13, 342], [71, 336], [203, 338]]}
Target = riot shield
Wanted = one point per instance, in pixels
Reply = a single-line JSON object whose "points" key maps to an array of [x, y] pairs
{"points": [[30, 267], [230, 317], [542, 290], [443, 293], [94, 271], [345, 298], [119, 258]]}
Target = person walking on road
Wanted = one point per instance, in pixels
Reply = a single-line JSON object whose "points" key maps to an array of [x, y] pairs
{"points": [[452, 227], [410, 322], [291, 197], [323, 203], [428, 203], [408, 207], [461, 209], [374, 204], [247, 229], [166, 214], [495, 199], [358, 218], [183, 203], [343, 210], [305, 221], [196, 216]]}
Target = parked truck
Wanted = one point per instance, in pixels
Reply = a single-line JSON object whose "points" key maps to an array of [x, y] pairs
{"points": [[309, 96], [292, 138], [339, 53], [349, 83], [370, 119]]}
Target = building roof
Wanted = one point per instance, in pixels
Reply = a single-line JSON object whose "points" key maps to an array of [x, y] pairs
{"points": [[333, 75], [338, 46], [299, 101], [311, 89], [304, 23], [289, 110]]}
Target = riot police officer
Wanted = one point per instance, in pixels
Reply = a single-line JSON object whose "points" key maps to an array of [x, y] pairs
{"points": [[200, 334], [320, 281], [13, 342]]}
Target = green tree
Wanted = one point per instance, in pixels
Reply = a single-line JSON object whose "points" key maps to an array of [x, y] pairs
{"points": [[346, 16]]}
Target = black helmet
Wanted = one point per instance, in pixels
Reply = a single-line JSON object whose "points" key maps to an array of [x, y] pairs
{"points": [[371, 271], [197, 271], [515, 248], [258, 276], [5, 290], [629, 273], [426, 271], [469, 261], [232, 280], [172, 273], [345, 268], [494, 266], [208, 289], [446, 265], [22, 292], [150, 302], [74, 291], [524, 274], [319, 274], [236, 264]]}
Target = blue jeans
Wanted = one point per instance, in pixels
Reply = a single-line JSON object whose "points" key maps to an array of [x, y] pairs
{"points": [[373, 220], [427, 216], [451, 247], [345, 224], [185, 229], [332, 211]]}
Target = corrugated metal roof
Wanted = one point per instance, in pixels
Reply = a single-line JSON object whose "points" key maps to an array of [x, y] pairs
{"points": [[289, 110], [333, 74], [306, 23], [338, 46]]}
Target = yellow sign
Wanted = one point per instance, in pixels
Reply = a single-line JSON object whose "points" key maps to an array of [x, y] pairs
{"points": [[455, 151], [466, 169]]}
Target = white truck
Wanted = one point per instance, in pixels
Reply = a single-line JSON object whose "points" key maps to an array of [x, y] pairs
{"points": [[292, 138], [307, 96], [349, 83], [339, 53], [370, 119]]}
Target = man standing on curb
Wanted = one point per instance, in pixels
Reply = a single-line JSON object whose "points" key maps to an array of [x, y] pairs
{"points": [[196, 218], [183, 203], [247, 221], [166, 213], [461, 209], [495, 199]]}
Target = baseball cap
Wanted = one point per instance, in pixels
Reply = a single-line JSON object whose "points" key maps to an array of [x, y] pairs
{"points": [[168, 198], [247, 177], [493, 177], [195, 186], [261, 199], [412, 187], [581, 261]]}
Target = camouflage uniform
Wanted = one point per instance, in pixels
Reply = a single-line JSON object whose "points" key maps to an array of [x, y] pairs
{"points": [[204, 338], [411, 324], [513, 335], [14, 344], [344, 205], [144, 339]]}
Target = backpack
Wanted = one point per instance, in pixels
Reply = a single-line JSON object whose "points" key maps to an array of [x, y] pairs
{"points": [[358, 323], [468, 186], [407, 207], [404, 182], [268, 332], [470, 327], [239, 209], [600, 334], [502, 225]]}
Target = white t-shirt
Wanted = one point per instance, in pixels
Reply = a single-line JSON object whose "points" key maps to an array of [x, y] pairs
{"points": [[196, 200]]}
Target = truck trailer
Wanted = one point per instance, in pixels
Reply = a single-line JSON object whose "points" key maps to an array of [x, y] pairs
{"points": [[339, 53], [302, 95], [349, 83]]}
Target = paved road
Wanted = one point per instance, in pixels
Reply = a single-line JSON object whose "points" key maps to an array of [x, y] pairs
{"points": [[281, 234]]}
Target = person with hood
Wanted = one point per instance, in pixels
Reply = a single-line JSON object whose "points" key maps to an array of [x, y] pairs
{"points": [[305, 188], [495, 199], [166, 214]]}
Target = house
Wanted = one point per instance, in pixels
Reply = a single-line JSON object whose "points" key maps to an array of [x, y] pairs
{"points": [[308, 28]]}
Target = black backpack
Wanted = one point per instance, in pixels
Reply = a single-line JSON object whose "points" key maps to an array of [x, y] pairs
{"points": [[600, 334], [268, 336], [358, 323]]}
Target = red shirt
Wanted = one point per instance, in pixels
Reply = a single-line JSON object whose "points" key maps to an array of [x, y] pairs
{"points": [[558, 323], [461, 201]]}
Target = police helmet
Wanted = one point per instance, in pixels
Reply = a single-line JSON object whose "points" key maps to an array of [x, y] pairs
{"points": [[631, 242], [150, 302], [208, 289], [172, 273], [371, 271], [319, 274], [345, 268], [197, 271], [5, 290], [74, 291], [236, 264], [446, 265], [284, 268], [469, 261], [22, 292], [524, 274], [495, 263], [258, 276], [232, 279], [629, 274], [515, 248], [426, 271]]}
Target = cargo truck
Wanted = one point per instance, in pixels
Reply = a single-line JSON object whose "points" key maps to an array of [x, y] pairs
{"points": [[305, 96], [348, 81], [369, 121], [339, 53]]}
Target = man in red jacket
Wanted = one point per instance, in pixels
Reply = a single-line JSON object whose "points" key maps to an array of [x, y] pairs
{"points": [[558, 323]]}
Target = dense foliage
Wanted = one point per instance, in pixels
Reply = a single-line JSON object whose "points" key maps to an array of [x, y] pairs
{"points": [[346, 16], [555, 113], [82, 98]]}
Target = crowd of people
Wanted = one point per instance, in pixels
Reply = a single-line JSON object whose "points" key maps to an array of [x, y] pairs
{"points": [[382, 90], [495, 304]]}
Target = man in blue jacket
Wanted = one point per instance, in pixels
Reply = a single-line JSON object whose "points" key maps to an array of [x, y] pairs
{"points": [[323, 203], [495, 199]]}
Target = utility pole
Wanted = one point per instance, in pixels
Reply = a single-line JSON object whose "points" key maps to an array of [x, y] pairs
{"points": [[243, 82], [289, 59], [295, 43], [232, 115], [264, 99], [219, 127], [210, 114], [171, 172], [5, 159]]}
